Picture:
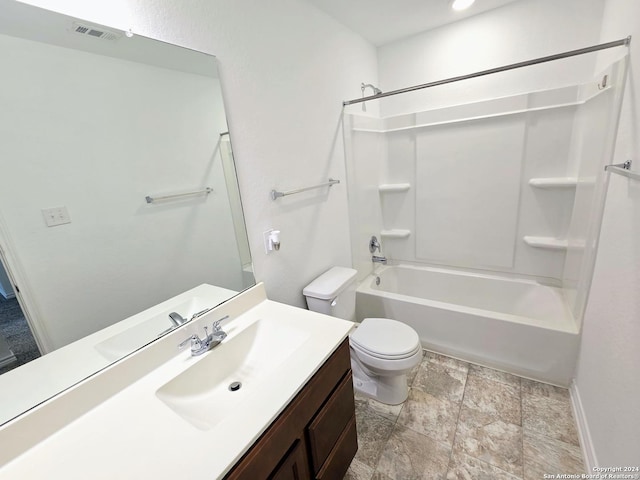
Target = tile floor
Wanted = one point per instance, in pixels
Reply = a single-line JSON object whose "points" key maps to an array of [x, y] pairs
{"points": [[462, 421]]}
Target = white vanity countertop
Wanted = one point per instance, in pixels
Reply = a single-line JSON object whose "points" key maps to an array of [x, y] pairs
{"points": [[133, 434], [44, 377]]}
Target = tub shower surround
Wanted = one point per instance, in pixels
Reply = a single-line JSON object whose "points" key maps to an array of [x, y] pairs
{"points": [[501, 202]]}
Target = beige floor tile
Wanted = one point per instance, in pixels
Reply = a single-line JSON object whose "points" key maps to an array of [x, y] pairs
{"points": [[505, 427], [373, 432], [545, 455], [549, 416], [495, 375], [440, 381], [446, 361], [531, 387], [464, 467], [490, 439], [409, 455], [497, 399], [390, 412], [360, 400], [358, 471], [380, 476], [429, 415]]}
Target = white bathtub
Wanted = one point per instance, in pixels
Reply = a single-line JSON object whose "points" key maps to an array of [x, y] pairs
{"points": [[518, 326]]}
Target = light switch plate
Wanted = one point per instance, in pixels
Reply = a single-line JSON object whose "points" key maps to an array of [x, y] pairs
{"points": [[56, 216]]}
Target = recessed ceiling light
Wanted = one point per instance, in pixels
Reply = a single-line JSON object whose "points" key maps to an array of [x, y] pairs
{"points": [[461, 4]]}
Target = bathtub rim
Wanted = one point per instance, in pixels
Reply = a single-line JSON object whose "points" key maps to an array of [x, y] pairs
{"points": [[469, 272], [566, 325]]}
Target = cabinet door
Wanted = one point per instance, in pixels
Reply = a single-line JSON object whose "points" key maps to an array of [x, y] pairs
{"points": [[294, 466], [328, 424]]}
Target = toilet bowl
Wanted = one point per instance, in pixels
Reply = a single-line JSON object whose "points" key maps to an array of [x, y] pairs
{"points": [[383, 351]]}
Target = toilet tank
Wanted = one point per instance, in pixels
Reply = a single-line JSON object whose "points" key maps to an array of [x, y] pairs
{"points": [[333, 293]]}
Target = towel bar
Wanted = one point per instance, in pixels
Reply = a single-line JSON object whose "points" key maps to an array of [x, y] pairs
{"points": [[276, 194]]}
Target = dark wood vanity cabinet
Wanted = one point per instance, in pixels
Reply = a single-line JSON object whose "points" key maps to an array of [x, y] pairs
{"points": [[315, 436]]}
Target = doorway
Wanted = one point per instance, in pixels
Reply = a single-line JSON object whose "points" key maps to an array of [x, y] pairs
{"points": [[17, 344]]}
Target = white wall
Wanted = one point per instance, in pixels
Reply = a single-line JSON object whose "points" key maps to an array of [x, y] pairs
{"points": [[285, 68], [513, 33], [97, 134], [607, 381]]}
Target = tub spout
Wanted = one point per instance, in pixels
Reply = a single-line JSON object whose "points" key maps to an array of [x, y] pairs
{"points": [[379, 259]]}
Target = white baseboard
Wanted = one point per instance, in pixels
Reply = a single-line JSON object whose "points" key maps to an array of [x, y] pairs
{"points": [[6, 295], [586, 444], [8, 360]]}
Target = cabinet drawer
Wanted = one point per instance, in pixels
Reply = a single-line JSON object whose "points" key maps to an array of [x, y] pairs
{"points": [[329, 423], [340, 457]]}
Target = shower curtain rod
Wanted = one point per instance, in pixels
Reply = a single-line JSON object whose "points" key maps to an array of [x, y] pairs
{"points": [[558, 56]]}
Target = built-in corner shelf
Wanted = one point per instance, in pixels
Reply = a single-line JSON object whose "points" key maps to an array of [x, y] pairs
{"points": [[393, 187], [551, 243], [395, 233], [546, 242], [554, 182]]}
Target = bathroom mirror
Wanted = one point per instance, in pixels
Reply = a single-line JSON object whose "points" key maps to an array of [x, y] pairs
{"points": [[117, 193]]}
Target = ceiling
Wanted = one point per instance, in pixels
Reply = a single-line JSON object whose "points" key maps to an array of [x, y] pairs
{"points": [[384, 21]]}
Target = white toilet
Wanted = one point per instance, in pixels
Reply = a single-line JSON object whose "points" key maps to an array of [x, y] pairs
{"points": [[383, 351]]}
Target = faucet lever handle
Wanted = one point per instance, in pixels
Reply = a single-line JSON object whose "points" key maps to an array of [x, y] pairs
{"points": [[216, 325], [193, 338], [374, 244]]}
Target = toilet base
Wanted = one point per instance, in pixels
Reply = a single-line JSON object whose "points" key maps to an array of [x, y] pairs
{"points": [[391, 389]]}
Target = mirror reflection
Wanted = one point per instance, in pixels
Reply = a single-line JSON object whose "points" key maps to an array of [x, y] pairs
{"points": [[118, 192]]}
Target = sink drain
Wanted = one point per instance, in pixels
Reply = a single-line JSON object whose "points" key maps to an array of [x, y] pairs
{"points": [[235, 386]]}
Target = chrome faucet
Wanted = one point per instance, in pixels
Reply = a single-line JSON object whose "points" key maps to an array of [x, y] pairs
{"points": [[176, 319], [373, 246], [210, 340], [379, 259]]}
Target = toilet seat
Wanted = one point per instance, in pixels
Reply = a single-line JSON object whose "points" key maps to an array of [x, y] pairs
{"points": [[385, 339], [360, 349]]}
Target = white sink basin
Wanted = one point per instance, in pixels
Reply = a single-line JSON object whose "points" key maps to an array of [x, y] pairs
{"points": [[201, 394]]}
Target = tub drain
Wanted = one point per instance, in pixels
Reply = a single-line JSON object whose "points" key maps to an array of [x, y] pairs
{"points": [[377, 280], [235, 386]]}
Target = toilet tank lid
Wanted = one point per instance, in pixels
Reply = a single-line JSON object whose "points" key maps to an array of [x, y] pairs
{"points": [[330, 283]]}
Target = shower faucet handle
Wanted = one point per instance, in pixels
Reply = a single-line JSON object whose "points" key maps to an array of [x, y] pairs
{"points": [[374, 244]]}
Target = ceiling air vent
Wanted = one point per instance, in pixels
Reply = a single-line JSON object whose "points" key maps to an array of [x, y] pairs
{"points": [[91, 31]]}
